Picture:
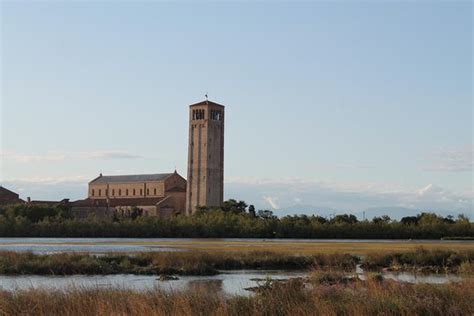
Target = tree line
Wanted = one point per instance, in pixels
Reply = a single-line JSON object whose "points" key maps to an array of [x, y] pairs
{"points": [[235, 219]]}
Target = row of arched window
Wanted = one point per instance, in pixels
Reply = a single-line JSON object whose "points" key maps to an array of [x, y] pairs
{"points": [[119, 192]]}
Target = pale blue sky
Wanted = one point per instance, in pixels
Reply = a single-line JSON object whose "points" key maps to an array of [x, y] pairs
{"points": [[355, 96]]}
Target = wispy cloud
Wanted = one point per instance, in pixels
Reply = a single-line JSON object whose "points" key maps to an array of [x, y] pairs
{"points": [[272, 201], [61, 156], [283, 193], [51, 180], [451, 160]]}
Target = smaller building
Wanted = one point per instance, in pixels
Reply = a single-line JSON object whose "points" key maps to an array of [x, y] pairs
{"points": [[161, 195], [8, 197]]}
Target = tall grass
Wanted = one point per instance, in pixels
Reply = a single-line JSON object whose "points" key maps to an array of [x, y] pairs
{"points": [[291, 298], [182, 263], [422, 259]]}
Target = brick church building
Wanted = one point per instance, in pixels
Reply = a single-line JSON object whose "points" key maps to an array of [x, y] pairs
{"points": [[166, 194]]}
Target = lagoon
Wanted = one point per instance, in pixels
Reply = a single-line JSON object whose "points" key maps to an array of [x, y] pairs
{"points": [[130, 245]]}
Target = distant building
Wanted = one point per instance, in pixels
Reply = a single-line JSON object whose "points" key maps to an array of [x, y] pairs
{"points": [[167, 194], [160, 195], [9, 197], [205, 156]]}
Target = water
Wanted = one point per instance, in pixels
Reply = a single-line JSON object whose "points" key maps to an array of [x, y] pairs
{"points": [[101, 245], [231, 283], [410, 277], [92, 245]]}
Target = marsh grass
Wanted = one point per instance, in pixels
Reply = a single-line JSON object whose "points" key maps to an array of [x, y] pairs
{"points": [[209, 263], [428, 260], [288, 298], [180, 263]]}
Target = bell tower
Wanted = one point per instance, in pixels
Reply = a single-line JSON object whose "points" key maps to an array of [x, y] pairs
{"points": [[205, 183]]}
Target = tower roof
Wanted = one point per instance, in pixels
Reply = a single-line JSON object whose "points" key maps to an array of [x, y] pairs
{"points": [[207, 102]]}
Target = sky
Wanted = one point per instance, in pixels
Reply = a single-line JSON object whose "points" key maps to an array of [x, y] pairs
{"points": [[339, 105]]}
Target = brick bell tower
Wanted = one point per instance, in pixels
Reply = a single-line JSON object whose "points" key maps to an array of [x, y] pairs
{"points": [[205, 183]]}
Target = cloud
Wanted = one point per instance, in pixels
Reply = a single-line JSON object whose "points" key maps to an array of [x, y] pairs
{"points": [[61, 156], [452, 160], [271, 201], [284, 193], [49, 188], [51, 180]]}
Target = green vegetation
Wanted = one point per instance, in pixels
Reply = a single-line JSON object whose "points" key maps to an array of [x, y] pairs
{"points": [[373, 297], [234, 219], [422, 260], [209, 263], [179, 263]]}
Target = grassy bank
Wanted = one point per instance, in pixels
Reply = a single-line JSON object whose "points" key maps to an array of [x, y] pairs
{"points": [[180, 263], [423, 260], [208, 263], [304, 247], [291, 298]]}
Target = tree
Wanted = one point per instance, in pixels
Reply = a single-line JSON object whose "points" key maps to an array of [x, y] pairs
{"points": [[136, 212], [266, 214], [409, 220], [252, 211], [234, 207], [385, 219], [344, 219], [463, 219]]}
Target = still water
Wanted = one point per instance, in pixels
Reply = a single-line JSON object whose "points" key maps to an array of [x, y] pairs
{"points": [[229, 282], [101, 245]]}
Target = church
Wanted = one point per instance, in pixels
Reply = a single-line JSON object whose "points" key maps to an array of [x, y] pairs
{"points": [[168, 194]]}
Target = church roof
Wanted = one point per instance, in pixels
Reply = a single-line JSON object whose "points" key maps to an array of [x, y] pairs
{"points": [[4, 190], [131, 178], [206, 102], [143, 201]]}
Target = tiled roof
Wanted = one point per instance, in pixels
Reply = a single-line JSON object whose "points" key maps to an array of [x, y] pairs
{"points": [[7, 191], [116, 202], [176, 189], [132, 178], [207, 103], [88, 203], [135, 201]]}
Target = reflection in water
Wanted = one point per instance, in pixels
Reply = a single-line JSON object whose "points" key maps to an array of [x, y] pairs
{"points": [[232, 283], [229, 282], [411, 277]]}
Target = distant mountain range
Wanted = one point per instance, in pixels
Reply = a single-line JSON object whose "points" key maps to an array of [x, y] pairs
{"points": [[395, 212]]}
